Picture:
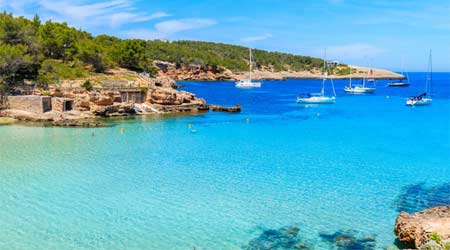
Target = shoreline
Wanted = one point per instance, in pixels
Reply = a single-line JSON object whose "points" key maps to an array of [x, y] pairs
{"points": [[296, 78]]}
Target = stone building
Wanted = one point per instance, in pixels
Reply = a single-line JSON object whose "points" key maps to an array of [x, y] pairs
{"points": [[30, 103], [61, 104], [132, 95]]}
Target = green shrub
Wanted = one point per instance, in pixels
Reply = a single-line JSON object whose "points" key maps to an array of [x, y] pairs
{"points": [[87, 85], [436, 237]]}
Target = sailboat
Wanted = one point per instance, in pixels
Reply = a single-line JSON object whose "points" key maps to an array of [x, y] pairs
{"points": [[359, 88], [319, 98], [400, 83], [248, 83], [423, 99]]}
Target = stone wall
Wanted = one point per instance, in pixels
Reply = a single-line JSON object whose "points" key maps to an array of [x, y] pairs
{"points": [[61, 104], [30, 103], [135, 96]]}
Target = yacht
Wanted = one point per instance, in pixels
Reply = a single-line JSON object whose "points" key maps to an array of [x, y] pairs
{"points": [[358, 88], [248, 83], [319, 98], [424, 98], [400, 83]]}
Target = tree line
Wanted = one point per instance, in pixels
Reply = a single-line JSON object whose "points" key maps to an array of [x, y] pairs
{"points": [[47, 51]]}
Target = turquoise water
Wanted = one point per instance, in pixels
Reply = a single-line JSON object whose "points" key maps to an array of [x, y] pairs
{"points": [[159, 185]]}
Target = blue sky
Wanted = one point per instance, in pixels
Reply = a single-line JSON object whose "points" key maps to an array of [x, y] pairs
{"points": [[376, 33]]}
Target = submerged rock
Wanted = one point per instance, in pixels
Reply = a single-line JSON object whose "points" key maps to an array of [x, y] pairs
{"points": [[418, 197], [344, 240], [417, 229], [285, 238]]}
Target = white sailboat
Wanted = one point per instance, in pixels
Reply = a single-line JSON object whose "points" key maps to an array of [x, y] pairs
{"points": [[248, 83], [319, 98], [400, 83], [358, 88], [424, 98]]}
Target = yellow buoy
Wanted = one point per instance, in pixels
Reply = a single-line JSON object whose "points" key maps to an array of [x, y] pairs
{"points": [[122, 130]]}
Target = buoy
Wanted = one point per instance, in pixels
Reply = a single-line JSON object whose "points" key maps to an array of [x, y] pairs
{"points": [[122, 130], [247, 120], [189, 125]]}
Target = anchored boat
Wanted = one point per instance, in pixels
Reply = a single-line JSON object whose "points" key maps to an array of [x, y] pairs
{"points": [[400, 83], [319, 98], [358, 88], [424, 98], [248, 83]]}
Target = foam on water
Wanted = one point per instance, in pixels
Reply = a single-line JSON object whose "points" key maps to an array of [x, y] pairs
{"points": [[322, 169]]}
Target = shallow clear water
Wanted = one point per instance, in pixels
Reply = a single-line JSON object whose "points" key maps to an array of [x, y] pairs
{"points": [[161, 186]]}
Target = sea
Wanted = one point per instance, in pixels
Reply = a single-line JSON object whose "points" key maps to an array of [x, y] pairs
{"points": [[278, 175]]}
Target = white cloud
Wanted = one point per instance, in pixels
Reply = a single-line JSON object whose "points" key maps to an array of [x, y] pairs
{"points": [[174, 26], [83, 14], [167, 28], [353, 51], [117, 19], [256, 38]]}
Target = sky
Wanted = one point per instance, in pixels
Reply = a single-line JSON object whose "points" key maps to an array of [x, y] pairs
{"points": [[374, 33]]}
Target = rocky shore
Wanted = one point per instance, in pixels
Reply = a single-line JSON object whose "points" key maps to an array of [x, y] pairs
{"points": [[197, 73], [76, 106], [428, 227]]}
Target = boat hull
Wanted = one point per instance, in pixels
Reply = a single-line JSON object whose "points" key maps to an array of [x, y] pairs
{"points": [[398, 84], [316, 100], [247, 85], [359, 90], [421, 102]]}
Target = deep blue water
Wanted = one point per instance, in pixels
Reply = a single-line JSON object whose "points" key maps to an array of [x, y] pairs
{"points": [[277, 174]]}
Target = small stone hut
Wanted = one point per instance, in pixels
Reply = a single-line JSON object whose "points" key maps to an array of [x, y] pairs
{"points": [[61, 104], [132, 95], [30, 103]]}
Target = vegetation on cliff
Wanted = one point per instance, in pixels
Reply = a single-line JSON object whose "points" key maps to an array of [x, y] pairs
{"points": [[51, 51]]}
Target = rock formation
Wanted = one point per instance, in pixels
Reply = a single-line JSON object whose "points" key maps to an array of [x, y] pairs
{"points": [[218, 108], [193, 72], [416, 229]]}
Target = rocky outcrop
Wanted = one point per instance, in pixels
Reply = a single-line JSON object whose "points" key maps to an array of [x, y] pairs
{"points": [[117, 109], [192, 72], [169, 96], [416, 229], [218, 108], [162, 81]]}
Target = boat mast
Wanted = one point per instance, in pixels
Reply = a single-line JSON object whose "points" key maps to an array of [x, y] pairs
{"points": [[430, 74], [402, 72], [405, 70], [325, 71], [350, 83]]}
